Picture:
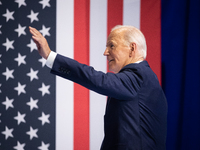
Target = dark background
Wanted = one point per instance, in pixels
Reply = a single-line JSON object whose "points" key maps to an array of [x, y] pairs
{"points": [[181, 72]]}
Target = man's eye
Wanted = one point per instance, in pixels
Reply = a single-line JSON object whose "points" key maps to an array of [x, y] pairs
{"points": [[111, 46]]}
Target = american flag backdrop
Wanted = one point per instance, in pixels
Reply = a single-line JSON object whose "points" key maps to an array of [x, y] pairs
{"points": [[41, 111]]}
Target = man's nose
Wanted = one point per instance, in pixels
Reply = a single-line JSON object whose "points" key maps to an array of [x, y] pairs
{"points": [[106, 52]]}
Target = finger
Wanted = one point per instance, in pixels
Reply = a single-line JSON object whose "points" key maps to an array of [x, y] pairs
{"points": [[37, 43], [36, 39], [31, 31], [34, 31]]}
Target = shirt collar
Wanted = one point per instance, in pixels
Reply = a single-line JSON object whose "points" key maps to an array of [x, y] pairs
{"points": [[137, 62]]}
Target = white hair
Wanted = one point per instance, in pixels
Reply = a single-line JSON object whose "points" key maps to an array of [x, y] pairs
{"points": [[133, 35]]}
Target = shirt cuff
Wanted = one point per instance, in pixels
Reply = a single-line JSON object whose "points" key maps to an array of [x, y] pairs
{"points": [[50, 59]]}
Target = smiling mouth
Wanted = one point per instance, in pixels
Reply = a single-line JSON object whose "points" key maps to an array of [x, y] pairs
{"points": [[110, 60]]}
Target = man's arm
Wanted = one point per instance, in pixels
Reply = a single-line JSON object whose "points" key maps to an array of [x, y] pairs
{"points": [[114, 85], [123, 85]]}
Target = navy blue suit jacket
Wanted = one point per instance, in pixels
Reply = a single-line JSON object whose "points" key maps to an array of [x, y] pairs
{"points": [[136, 111]]}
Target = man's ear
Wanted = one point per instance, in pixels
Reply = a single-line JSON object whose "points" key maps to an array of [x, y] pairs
{"points": [[132, 48]]}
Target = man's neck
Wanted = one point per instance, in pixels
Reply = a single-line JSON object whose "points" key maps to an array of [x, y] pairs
{"points": [[138, 60]]}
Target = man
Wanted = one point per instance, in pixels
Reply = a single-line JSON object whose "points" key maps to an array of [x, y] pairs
{"points": [[136, 111]]}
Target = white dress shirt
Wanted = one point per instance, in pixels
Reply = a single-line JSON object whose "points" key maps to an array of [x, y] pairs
{"points": [[51, 58]]}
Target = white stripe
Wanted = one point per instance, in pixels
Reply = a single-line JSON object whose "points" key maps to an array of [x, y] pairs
{"points": [[98, 36], [64, 88], [131, 13]]}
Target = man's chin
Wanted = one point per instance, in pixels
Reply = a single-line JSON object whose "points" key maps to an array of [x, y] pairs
{"points": [[112, 70]]}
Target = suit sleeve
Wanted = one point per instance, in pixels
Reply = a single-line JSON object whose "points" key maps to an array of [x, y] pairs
{"points": [[123, 85]]}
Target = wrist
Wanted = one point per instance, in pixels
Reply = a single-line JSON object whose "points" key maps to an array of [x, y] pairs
{"points": [[47, 55]]}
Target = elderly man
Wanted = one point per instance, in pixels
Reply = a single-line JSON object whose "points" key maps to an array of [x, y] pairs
{"points": [[136, 111]]}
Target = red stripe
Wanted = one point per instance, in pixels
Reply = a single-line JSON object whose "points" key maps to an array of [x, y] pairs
{"points": [[150, 25], [115, 14], [81, 94]]}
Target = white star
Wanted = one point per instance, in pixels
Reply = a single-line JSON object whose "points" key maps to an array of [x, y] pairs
{"points": [[0, 86], [44, 146], [20, 59], [32, 74], [32, 103], [32, 45], [8, 103], [8, 44], [0, 3], [45, 31], [20, 88], [0, 30], [43, 61], [8, 15], [33, 16], [7, 132], [20, 118], [44, 118], [45, 3], [19, 146], [20, 3], [44, 89], [8, 73], [0, 60], [20, 30], [32, 133]]}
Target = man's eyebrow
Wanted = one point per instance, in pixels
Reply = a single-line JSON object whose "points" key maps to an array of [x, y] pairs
{"points": [[109, 43]]}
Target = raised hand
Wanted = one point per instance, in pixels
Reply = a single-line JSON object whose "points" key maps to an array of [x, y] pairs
{"points": [[41, 42]]}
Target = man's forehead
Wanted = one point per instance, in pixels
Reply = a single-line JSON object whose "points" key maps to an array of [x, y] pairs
{"points": [[114, 33], [114, 36]]}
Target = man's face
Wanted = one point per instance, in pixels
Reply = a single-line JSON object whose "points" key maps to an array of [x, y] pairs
{"points": [[116, 51]]}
